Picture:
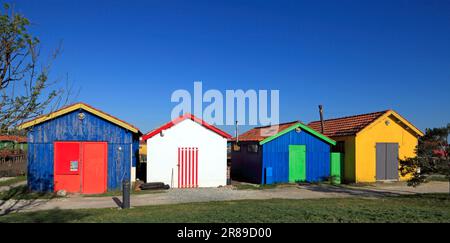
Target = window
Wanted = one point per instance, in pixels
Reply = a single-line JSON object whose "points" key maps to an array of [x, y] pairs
{"points": [[252, 148]]}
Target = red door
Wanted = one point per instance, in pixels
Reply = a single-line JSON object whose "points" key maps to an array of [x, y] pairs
{"points": [[80, 167], [94, 167], [67, 166], [187, 167]]}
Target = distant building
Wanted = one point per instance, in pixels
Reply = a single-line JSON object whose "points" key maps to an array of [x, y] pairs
{"points": [[143, 151], [13, 142]]}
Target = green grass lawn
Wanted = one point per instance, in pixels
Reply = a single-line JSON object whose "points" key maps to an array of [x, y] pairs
{"points": [[417, 208], [13, 181]]}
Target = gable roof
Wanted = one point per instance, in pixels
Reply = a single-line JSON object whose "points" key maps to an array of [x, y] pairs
{"points": [[266, 134], [346, 126], [351, 125], [260, 133], [182, 118], [78, 106]]}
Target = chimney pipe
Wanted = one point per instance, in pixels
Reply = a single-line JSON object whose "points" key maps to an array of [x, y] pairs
{"points": [[237, 134], [322, 127]]}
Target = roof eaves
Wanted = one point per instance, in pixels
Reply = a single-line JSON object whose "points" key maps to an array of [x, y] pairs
{"points": [[182, 118], [302, 126], [74, 107]]}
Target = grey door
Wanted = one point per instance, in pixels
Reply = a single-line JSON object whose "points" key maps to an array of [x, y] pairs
{"points": [[381, 161], [387, 161]]}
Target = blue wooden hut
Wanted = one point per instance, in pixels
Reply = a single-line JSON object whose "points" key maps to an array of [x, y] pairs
{"points": [[288, 152], [80, 149]]}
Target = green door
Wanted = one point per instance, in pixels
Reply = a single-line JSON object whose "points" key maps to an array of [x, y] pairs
{"points": [[297, 163], [337, 166]]}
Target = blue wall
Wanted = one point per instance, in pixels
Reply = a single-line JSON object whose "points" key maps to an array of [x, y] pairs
{"points": [[69, 128], [276, 155]]}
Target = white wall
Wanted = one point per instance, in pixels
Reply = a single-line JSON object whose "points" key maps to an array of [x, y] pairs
{"points": [[133, 168], [162, 154]]}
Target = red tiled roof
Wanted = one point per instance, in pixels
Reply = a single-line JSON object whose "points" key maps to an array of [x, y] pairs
{"points": [[346, 126], [260, 133], [182, 118], [19, 139]]}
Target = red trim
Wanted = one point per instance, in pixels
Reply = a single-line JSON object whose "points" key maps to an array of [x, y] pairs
{"points": [[192, 167], [182, 168], [185, 168], [196, 167], [182, 118], [179, 164]]}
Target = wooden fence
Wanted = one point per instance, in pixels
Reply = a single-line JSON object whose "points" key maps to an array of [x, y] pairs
{"points": [[13, 163]]}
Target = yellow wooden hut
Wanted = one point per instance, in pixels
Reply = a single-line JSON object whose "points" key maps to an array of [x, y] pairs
{"points": [[372, 144]]}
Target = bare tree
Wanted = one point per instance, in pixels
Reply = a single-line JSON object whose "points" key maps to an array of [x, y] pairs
{"points": [[25, 89]]}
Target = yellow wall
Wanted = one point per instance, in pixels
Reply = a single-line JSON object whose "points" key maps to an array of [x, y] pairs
{"points": [[379, 132], [349, 157], [142, 149]]}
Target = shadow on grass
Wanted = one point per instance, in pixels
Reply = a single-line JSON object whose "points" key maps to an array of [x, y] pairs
{"points": [[49, 216], [248, 186], [327, 188], [13, 181], [20, 198]]}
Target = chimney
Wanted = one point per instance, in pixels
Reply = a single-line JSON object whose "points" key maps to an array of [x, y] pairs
{"points": [[237, 134], [322, 126]]}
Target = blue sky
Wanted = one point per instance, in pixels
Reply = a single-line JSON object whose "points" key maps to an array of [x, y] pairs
{"points": [[127, 57]]}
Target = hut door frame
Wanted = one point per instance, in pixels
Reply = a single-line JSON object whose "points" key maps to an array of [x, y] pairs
{"points": [[386, 161], [187, 167], [297, 163]]}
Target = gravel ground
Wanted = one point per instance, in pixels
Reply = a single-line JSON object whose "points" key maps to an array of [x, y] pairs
{"points": [[174, 196]]}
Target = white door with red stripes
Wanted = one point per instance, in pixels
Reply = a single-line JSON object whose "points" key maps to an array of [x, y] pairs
{"points": [[187, 167]]}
